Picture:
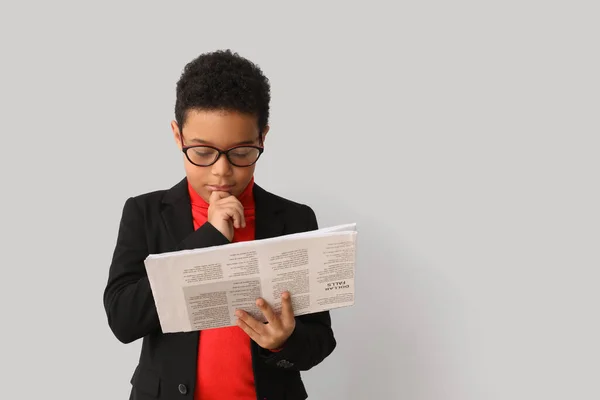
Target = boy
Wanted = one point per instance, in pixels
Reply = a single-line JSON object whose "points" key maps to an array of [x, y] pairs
{"points": [[221, 121]]}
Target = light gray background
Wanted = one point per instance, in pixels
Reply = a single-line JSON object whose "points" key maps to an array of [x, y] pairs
{"points": [[462, 137]]}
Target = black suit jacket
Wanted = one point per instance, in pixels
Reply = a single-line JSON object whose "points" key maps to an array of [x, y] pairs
{"points": [[162, 221]]}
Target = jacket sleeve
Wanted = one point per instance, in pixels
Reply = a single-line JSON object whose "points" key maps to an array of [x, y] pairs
{"points": [[128, 299], [311, 341]]}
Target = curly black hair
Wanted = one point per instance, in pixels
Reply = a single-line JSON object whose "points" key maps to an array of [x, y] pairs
{"points": [[222, 80]]}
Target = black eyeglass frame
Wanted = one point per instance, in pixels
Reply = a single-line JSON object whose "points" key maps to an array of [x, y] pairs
{"points": [[185, 149]]}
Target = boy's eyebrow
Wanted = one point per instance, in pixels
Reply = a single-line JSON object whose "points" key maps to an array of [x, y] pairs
{"points": [[201, 141]]}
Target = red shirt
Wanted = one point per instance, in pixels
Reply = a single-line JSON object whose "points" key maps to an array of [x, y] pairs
{"points": [[224, 358]]}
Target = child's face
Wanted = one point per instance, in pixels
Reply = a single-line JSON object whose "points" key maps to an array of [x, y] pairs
{"points": [[223, 130]]}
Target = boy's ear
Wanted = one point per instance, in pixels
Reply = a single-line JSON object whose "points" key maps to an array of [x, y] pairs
{"points": [[176, 135], [264, 133]]}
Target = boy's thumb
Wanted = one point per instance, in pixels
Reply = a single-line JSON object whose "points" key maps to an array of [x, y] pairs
{"points": [[216, 195]]}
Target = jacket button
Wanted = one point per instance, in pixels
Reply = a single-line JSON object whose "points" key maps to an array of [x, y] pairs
{"points": [[182, 388]]}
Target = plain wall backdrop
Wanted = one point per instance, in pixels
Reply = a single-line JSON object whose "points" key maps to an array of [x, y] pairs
{"points": [[462, 137]]}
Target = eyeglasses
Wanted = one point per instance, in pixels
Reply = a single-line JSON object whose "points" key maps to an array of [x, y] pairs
{"points": [[205, 156]]}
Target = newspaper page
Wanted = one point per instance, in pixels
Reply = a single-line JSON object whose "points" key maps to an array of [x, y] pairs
{"points": [[201, 289]]}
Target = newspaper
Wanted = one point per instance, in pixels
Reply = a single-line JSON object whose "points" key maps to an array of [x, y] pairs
{"points": [[201, 288]]}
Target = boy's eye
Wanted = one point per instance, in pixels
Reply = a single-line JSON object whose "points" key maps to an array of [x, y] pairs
{"points": [[244, 152], [204, 153]]}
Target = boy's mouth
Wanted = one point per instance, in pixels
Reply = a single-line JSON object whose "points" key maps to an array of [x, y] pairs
{"points": [[222, 188]]}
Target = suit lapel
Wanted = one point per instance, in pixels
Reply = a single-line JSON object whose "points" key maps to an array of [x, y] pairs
{"points": [[177, 215], [178, 219], [269, 221]]}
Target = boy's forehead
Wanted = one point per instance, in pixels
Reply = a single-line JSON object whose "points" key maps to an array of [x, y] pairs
{"points": [[220, 127]]}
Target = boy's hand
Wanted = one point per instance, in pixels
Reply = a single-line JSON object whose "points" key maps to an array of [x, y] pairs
{"points": [[276, 332], [225, 212]]}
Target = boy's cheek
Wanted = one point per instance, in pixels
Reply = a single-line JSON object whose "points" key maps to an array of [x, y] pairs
{"points": [[198, 181]]}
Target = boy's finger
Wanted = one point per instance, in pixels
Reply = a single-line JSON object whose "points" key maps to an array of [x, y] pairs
{"points": [[216, 195], [257, 326], [249, 331], [267, 311], [228, 214], [242, 217], [230, 198], [234, 213], [239, 215], [287, 311]]}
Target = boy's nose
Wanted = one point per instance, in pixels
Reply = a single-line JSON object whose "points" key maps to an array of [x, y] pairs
{"points": [[222, 166]]}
